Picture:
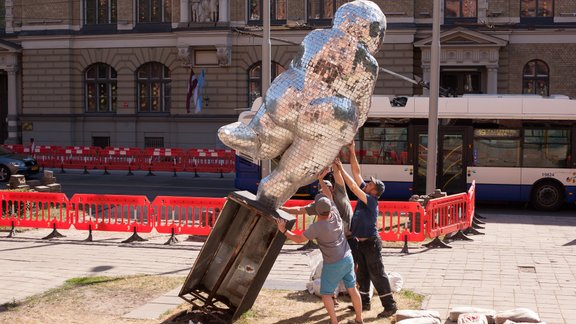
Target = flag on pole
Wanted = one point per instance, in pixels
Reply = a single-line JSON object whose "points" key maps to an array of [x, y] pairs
{"points": [[198, 93], [192, 84]]}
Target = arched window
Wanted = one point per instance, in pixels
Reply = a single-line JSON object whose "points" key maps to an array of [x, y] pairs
{"points": [[255, 79], [536, 78], [100, 88], [154, 87]]}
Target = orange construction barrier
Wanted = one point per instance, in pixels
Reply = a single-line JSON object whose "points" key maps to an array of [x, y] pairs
{"points": [[402, 221], [35, 209], [447, 215], [162, 159], [301, 223], [81, 158], [118, 213], [121, 158], [186, 215]]}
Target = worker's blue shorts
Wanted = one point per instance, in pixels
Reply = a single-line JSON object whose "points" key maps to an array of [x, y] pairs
{"points": [[334, 272]]}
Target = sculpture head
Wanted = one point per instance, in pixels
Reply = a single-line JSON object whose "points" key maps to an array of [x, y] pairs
{"points": [[364, 21]]}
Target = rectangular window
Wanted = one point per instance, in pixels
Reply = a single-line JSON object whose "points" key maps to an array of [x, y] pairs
{"points": [[546, 148], [536, 8], [460, 9], [277, 12], [101, 141], [154, 142], [496, 148], [154, 11], [98, 12], [381, 145], [322, 11]]}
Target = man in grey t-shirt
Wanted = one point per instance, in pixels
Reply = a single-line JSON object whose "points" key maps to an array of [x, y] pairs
{"points": [[338, 263]]}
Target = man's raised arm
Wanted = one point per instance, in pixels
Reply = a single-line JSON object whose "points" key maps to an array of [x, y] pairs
{"points": [[354, 165]]}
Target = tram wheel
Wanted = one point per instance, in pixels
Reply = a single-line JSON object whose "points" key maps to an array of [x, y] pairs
{"points": [[547, 196]]}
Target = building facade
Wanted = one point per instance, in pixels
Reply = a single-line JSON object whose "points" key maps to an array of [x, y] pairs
{"points": [[116, 72]]}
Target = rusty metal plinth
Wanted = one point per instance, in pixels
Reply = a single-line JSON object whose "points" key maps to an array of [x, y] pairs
{"points": [[236, 258]]}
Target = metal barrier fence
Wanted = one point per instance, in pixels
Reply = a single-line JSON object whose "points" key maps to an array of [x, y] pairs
{"points": [[131, 159], [398, 221]]}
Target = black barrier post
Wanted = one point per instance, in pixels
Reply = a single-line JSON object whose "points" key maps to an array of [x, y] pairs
{"points": [[437, 243], [134, 237], [53, 234], [12, 232], [472, 231], [173, 239], [405, 248], [458, 236], [89, 238], [476, 225]]}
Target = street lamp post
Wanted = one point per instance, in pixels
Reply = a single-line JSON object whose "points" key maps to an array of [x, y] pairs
{"points": [[265, 165], [432, 155]]}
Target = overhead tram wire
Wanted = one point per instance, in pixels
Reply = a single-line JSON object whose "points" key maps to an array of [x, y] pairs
{"points": [[247, 33]]}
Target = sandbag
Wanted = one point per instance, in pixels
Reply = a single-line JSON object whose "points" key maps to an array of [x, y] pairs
{"points": [[420, 320], [517, 315], [413, 313], [472, 318], [456, 311]]}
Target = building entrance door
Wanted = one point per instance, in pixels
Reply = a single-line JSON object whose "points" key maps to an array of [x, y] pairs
{"points": [[461, 82]]}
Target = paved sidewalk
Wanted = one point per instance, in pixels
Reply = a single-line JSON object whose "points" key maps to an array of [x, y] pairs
{"points": [[526, 259]]}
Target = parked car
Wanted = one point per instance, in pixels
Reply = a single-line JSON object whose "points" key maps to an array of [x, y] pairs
{"points": [[14, 163]]}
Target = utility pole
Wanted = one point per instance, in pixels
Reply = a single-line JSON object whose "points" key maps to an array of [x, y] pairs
{"points": [[432, 154], [265, 165]]}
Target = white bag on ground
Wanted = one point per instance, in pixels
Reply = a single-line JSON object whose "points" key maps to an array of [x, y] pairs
{"points": [[416, 313], [456, 311], [524, 315], [396, 281], [420, 320], [313, 286]]}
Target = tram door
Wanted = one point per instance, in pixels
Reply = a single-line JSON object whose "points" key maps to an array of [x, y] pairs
{"points": [[451, 167]]}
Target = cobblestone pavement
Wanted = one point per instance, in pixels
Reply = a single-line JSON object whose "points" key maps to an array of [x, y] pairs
{"points": [[525, 259]]}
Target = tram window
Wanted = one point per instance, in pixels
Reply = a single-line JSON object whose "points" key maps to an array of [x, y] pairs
{"points": [[496, 152], [546, 148], [496, 148], [381, 145]]}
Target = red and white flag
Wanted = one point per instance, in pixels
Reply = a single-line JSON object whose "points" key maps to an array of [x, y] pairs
{"points": [[192, 85], [194, 95]]}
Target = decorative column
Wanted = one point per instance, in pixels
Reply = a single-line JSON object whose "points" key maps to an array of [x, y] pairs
{"points": [[12, 117], [492, 79]]}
